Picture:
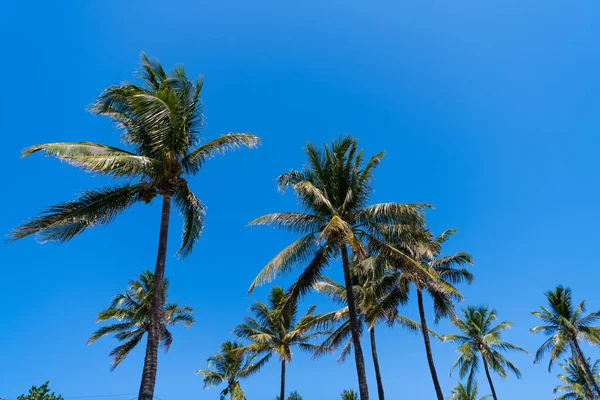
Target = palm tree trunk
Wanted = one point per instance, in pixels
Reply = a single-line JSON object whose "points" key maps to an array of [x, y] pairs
{"points": [[151, 359], [358, 354], [489, 378], [376, 364], [584, 365], [282, 395], [425, 332]]}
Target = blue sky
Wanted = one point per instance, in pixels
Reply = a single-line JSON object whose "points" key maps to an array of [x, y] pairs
{"points": [[488, 110]]}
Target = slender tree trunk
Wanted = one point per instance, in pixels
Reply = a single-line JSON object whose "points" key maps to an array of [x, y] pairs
{"points": [[151, 359], [425, 332], [282, 395], [376, 364], [585, 366], [489, 378], [358, 354]]}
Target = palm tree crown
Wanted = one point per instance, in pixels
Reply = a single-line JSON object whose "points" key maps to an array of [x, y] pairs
{"points": [[481, 340], [132, 311], [575, 385], [160, 121], [229, 367], [466, 392], [564, 323]]}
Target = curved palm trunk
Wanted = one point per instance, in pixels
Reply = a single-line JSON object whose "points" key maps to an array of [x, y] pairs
{"points": [[425, 332], [585, 366], [151, 359], [282, 395], [358, 354], [376, 364], [489, 378]]}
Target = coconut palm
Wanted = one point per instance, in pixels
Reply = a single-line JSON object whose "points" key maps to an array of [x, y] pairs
{"points": [[444, 272], [349, 395], [575, 385], [160, 122], [275, 330], [132, 311], [292, 396], [378, 293], [333, 190], [567, 326], [466, 392], [481, 340], [229, 367]]}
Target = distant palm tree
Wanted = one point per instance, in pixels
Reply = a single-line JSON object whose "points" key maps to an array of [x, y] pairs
{"points": [[349, 395], [442, 272], [275, 330], [160, 122], [132, 311], [334, 190], [378, 294], [229, 367], [567, 327], [466, 392], [575, 385], [481, 340], [292, 396]]}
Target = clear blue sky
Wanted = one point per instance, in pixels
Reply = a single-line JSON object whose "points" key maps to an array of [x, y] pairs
{"points": [[488, 110]]}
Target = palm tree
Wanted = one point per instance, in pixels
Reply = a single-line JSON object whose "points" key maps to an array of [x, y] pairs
{"points": [[575, 385], [132, 311], [567, 327], [333, 190], [465, 392], [378, 293], [274, 330], [438, 283], [160, 122], [479, 339], [230, 366], [349, 395], [292, 396]]}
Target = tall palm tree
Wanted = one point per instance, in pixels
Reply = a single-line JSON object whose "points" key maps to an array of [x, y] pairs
{"points": [[481, 340], [229, 367], [160, 122], [378, 293], [567, 327], [466, 392], [275, 330], [444, 272], [575, 385], [132, 311], [333, 190]]}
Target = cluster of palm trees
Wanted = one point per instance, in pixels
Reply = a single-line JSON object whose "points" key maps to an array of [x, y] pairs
{"points": [[388, 255]]}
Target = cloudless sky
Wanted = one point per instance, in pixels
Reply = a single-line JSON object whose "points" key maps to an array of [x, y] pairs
{"points": [[487, 109]]}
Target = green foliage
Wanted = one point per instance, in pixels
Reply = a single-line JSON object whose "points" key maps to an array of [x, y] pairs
{"points": [[230, 366], [275, 330], [40, 393], [292, 396], [466, 392], [132, 311], [349, 395], [378, 292], [565, 324], [160, 121], [437, 274], [481, 340], [574, 383]]}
